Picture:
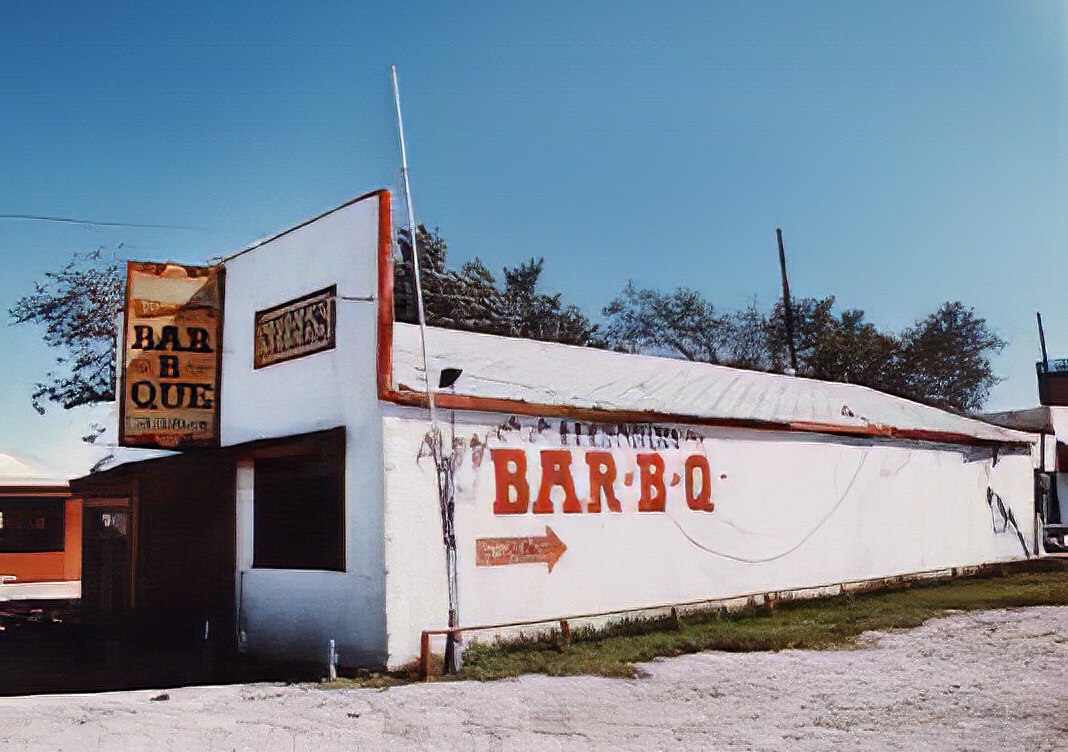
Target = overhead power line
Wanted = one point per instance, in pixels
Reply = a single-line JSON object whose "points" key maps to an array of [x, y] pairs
{"points": [[93, 223]]}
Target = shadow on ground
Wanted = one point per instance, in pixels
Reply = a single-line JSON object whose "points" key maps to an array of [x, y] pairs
{"points": [[44, 648]]}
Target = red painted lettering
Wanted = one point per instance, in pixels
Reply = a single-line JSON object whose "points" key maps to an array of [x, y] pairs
{"points": [[700, 500], [602, 477], [653, 493], [510, 472], [556, 471]]}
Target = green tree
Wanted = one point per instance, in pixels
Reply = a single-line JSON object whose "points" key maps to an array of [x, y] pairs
{"points": [[77, 306], [942, 360], [835, 346], [813, 328], [466, 299], [536, 315], [679, 324], [945, 358], [748, 339], [471, 298]]}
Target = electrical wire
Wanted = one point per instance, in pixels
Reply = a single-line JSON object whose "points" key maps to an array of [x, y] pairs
{"points": [[93, 223], [787, 552]]}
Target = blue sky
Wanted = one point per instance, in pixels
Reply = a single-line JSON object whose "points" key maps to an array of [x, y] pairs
{"points": [[912, 152]]}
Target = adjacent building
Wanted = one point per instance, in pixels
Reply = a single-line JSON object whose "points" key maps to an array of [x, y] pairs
{"points": [[40, 535], [1050, 423]]}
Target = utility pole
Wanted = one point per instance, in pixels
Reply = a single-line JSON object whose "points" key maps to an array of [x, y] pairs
{"points": [[787, 306], [1042, 342]]}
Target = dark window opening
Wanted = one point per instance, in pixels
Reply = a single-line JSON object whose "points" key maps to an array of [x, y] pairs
{"points": [[299, 512], [29, 526]]}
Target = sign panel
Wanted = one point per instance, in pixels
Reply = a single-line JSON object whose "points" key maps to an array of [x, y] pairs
{"points": [[532, 549], [172, 346], [296, 328]]}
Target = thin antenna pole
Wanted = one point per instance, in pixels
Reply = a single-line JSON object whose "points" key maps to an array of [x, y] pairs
{"points": [[786, 305], [1042, 341], [446, 490], [415, 252]]}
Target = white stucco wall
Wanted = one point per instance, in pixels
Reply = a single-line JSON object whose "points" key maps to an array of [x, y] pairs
{"points": [[287, 613], [791, 510]]}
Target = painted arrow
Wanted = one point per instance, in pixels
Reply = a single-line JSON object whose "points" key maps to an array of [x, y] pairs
{"points": [[499, 552]]}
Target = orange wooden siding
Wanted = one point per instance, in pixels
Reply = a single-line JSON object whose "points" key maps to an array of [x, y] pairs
{"points": [[53, 566]]}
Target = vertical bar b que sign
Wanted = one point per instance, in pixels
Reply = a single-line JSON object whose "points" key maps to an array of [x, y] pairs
{"points": [[171, 356]]}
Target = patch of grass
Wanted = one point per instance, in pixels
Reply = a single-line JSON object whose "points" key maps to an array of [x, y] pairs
{"points": [[810, 624], [378, 681], [363, 679]]}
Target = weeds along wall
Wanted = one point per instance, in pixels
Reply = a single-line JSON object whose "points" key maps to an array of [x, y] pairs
{"points": [[286, 612], [780, 510]]}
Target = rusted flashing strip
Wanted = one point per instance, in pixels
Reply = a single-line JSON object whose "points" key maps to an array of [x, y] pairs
{"points": [[449, 401], [385, 296], [914, 434], [452, 401], [53, 491]]}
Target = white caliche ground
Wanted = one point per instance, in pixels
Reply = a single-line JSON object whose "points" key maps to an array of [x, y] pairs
{"points": [[994, 680]]}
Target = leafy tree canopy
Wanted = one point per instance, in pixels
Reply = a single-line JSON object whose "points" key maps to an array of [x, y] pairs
{"points": [[472, 298], [943, 359], [679, 324], [77, 306]]}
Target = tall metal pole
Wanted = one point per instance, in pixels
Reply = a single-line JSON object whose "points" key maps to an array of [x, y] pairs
{"points": [[1042, 341], [415, 249], [442, 464], [786, 304]]}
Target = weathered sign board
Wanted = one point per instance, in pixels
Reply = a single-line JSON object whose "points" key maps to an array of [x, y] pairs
{"points": [[296, 328], [171, 356], [532, 549]]}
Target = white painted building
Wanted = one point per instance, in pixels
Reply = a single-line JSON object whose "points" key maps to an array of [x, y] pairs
{"points": [[585, 481]]}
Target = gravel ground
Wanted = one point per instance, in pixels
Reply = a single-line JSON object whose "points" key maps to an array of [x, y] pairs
{"points": [[992, 680]]}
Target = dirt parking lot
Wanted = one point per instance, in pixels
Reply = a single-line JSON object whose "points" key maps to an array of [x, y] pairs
{"points": [[987, 680]]}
